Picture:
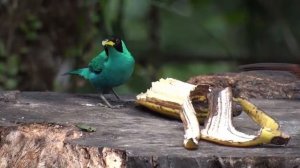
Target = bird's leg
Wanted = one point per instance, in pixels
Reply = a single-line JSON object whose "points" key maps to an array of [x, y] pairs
{"points": [[116, 95], [126, 101], [106, 102]]}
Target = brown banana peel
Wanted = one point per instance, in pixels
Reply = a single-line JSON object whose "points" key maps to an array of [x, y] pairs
{"points": [[175, 98]]}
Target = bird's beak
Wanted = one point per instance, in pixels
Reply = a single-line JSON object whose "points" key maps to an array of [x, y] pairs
{"points": [[108, 43]]}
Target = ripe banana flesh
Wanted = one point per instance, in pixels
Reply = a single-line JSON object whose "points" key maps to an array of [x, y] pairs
{"points": [[177, 99], [161, 97], [172, 97]]}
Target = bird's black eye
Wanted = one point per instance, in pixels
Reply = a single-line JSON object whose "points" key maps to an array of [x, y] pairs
{"points": [[118, 43], [118, 46]]}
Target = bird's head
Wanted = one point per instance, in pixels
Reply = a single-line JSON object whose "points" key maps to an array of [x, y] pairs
{"points": [[113, 42]]}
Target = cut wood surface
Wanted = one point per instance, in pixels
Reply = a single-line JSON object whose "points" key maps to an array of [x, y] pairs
{"points": [[131, 136]]}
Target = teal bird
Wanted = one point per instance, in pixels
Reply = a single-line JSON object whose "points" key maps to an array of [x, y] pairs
{"points": [[110, 68]]}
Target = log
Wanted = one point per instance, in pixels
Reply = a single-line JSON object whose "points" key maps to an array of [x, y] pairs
{"points": [[255, 84], [38, 130]]}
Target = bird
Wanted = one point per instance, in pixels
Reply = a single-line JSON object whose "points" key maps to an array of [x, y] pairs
{"points": [[292, 68], [110, 68]]}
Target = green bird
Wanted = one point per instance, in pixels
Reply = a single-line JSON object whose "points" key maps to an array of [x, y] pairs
{"points": [[110, 68]]}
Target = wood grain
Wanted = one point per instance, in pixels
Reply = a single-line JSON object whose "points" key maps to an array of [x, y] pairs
{"points": [[139, 137]]}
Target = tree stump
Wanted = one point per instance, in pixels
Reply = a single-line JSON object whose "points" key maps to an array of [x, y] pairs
{"points": [[37, 130], [255, 84]]}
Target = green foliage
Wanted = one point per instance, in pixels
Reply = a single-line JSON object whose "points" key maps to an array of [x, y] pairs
{"points": [[9, 71], [73, 52], [2, 49], [12, 65], [155, 31], [30, 27], [185, 71]]}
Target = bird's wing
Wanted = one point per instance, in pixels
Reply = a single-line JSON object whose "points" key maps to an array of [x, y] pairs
{"points": [[97, 64]]}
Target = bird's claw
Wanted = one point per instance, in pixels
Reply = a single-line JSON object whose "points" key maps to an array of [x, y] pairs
{"points": [[110, 106], [117, 106], [101, 105]]}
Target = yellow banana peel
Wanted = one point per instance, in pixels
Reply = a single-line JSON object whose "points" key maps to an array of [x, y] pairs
{"points": [[165, 97], [177, 99], [169, 109], [257, 115], [158, 98], [219, 128]]}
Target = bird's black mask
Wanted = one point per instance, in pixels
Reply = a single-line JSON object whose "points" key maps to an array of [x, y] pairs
{"points": [[118, 45]]}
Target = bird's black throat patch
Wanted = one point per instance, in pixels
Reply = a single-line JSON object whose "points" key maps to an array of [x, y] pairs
{"points": [[106, 50]]}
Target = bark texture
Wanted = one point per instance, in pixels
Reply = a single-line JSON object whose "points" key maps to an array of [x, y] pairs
{"points": [[255, 84], [37, 130]]}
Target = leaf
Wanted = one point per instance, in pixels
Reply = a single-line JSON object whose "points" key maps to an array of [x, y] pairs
{"points": [[86, 128]]}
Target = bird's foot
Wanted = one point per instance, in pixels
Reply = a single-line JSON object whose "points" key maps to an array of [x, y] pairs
{"points": [[110, 106], [127, 102], [117, 107], [101, 105]]}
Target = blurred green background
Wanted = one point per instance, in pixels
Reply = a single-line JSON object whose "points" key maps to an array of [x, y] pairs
{"points": [[42, 39]]}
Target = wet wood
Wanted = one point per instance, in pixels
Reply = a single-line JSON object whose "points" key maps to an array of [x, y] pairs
{"points": [[37, 128]]}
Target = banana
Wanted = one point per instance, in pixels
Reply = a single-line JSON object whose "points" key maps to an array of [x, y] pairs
{"points": [[157, 100], [172, 97], [190, 124], [269, 125], [219, 128], [166, 107], [169, 109], [214, 107], [257, 115]]}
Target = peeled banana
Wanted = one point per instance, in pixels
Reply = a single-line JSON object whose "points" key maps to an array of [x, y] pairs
{"points": [[158, 99], [165, 97], [214, 108]]}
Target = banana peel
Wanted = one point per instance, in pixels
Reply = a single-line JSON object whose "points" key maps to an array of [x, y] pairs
{"points": [[213, 107], [270, 128], [165, 97], [156, 99], [219, 128]]}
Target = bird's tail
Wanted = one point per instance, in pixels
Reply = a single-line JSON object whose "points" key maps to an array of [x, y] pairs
{"points": [[83, 72]]}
